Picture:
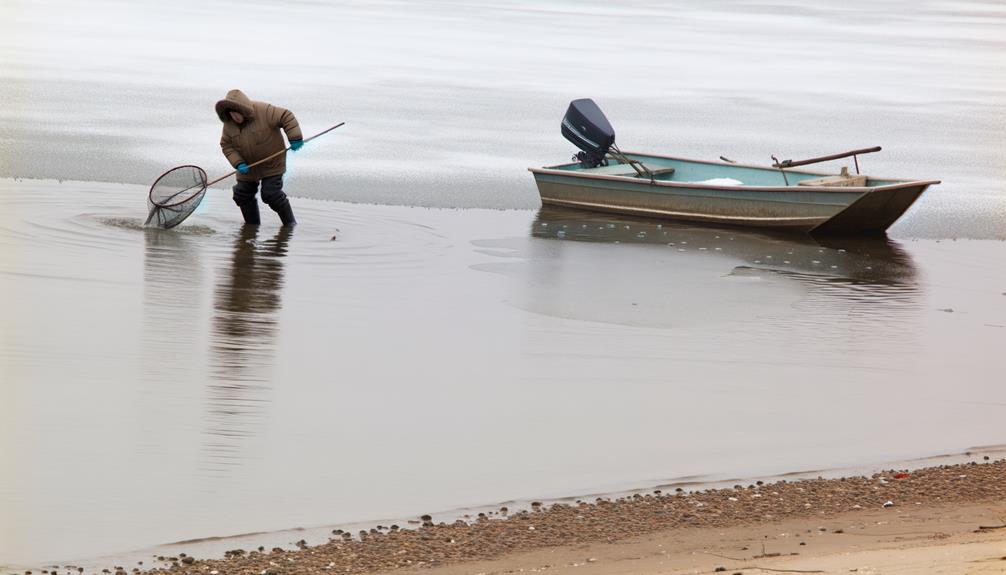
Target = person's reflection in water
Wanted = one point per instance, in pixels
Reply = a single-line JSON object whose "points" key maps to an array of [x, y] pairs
{"points": [[243, 336]]}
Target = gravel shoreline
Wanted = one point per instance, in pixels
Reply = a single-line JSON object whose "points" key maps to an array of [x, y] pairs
{"points": [[386, 548]]}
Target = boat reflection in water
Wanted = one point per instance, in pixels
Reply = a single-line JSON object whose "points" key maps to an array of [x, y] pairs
{"points": [[242, 344], [676, 275], [852, 260]]}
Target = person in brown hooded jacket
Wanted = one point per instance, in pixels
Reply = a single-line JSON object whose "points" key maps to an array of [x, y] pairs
{"points": [[252, 132]]}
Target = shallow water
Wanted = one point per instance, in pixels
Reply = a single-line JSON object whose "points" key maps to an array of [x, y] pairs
{"points": [[385, 361], [205, 381]]}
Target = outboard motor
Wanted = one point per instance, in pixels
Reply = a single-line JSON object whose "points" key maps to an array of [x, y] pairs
{"points": [[585, 125]]}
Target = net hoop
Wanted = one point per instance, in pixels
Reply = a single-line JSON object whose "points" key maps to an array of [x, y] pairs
{"points": [[172, 201]]}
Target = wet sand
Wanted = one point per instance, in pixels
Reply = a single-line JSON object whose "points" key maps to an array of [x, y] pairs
{"points": [[923, 540], [780, 525]]}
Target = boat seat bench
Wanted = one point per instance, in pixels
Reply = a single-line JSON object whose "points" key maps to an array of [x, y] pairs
{"points": [[624, 170]]}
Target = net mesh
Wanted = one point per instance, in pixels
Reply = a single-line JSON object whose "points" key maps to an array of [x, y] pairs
{"points": [[175, 195]]}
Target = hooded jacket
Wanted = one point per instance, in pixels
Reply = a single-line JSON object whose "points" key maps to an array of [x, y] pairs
{"points": [[258, 136]]}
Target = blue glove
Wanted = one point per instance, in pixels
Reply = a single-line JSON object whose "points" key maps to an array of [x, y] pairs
{"points": [[243, 168], [296, 144]]}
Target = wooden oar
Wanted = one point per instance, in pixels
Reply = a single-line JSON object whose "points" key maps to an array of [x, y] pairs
{"points": [[853, 153]]}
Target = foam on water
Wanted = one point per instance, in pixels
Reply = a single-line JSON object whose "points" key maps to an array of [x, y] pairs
{"points": [[455, 123]]}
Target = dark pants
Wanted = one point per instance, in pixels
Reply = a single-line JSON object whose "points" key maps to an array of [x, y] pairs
{"points": [[272, 195]]}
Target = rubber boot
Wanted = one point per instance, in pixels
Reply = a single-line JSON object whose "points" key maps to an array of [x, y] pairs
{"points": [[250, 213], [286, 214]]}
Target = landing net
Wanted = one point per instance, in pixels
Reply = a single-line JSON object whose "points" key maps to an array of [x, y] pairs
{"points": [[175, 195]]}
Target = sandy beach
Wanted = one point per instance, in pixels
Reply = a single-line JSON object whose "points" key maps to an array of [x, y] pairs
{"points": [[946, 519], [924, 540]]}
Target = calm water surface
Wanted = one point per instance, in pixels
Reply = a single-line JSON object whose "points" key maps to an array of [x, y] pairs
{"points": [[159, 386], [213, 380]]}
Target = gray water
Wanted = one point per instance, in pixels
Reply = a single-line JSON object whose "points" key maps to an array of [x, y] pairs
{"points": [[398, 355], [206, 381]]}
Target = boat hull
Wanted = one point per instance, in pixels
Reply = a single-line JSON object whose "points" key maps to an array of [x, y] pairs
{"points": [[876, 211], [832, 210]]}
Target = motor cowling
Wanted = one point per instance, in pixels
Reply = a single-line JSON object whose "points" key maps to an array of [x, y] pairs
{"points": [[588, 129]]}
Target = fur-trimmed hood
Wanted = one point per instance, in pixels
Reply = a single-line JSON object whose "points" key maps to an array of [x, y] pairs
{"points": [[236, 100]]}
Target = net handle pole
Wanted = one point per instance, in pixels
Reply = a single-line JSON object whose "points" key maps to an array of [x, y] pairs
{"points": [[267, 158]]}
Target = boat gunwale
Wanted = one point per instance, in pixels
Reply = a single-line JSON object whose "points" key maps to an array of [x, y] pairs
{"points": [[761, 221], [899, 183]]}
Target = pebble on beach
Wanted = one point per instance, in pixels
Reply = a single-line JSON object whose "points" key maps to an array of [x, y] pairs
{"points": [[608, 520]]}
